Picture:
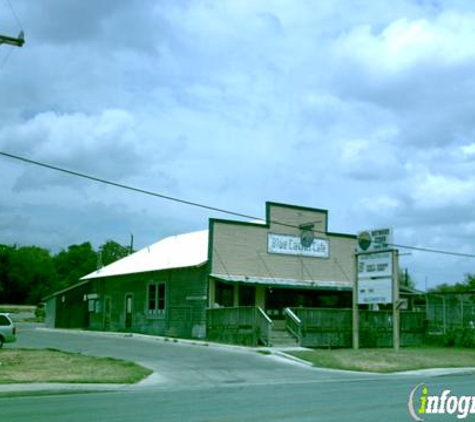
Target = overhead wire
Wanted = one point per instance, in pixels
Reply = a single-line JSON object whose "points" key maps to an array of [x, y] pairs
{"points": [[205, 206], [15, 15]]}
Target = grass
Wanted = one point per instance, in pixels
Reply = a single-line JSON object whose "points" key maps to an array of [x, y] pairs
{"points": [[49, 365], [387, 360], [16, 309], [23, 313]]}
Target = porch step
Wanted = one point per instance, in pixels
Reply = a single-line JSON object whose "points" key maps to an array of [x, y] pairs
{"points": [[282, 338], [279, 324]]}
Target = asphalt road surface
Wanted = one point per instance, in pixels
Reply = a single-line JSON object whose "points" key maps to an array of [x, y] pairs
{"points": [[207, 383]]}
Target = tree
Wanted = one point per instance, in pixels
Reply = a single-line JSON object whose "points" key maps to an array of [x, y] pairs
{"points": [[470, 281], [5, 259], [29, 273], [26, 274], [74, 263], [468, 285], [112, 251], [38, 269], [405, 278]]}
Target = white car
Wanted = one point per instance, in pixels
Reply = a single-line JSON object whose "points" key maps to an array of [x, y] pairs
{"points": [[7, 329]]}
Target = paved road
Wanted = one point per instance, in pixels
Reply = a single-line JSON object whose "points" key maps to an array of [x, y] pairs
{"points": [[181, 364], [199, 383]]}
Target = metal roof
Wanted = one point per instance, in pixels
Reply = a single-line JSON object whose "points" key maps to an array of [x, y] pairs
{"points": [[285, 282], [67, 289], [183, 250]]}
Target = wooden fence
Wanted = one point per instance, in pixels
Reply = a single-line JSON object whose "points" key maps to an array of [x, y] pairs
{"points": [[319, 327], [325, 327], [246, 325], [333, 328]]}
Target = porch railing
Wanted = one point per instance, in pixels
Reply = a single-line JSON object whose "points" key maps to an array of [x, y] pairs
{"points": [[293, 324], [246, 325], [265, 325]]}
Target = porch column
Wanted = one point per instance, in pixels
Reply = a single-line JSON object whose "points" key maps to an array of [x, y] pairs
{"points": [[211, 292], [261, 296], [236, 294]]}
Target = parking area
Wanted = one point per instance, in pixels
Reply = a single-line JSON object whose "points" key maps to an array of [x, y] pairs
{"points": [[180, 363]]}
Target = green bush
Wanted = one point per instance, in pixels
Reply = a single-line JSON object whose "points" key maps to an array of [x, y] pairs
{"points": [[459, 337], [40, 312]]}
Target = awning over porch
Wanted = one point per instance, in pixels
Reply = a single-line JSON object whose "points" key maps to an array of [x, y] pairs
{"points": [[286, 283]]}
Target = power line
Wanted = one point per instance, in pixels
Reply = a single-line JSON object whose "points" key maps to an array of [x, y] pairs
{"points": [[422, 249], [204, 206], [15, 15], [127, 187]]}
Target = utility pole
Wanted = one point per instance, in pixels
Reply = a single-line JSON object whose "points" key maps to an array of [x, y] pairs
{"points": [[131, 251], [16, 42]]}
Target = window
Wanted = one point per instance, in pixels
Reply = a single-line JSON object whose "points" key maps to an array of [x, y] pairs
{"points": [[152, 297], [161, 297], [4, 321], [91, 305], [156, 298]]}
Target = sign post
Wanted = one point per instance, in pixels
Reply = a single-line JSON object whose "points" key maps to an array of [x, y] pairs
{"points": [[396, 314], [355, 319], [377, 280]]}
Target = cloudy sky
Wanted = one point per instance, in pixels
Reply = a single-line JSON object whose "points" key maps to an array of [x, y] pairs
{"points": [[362, 107]]}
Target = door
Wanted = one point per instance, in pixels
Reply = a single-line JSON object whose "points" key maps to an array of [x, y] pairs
{"points": [[247, 295], [128, 310]]}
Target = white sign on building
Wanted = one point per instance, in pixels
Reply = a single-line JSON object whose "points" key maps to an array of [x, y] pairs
{"points": [[375, 291], [375, 240], [292, 245], [378, 264]]}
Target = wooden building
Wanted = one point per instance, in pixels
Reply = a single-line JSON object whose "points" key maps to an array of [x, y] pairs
{"points": [[259, 268]]}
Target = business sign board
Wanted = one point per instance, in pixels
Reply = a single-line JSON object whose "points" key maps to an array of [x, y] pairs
{"points": [[375, 240], [292, 245], [377, 264], [371, 291]]}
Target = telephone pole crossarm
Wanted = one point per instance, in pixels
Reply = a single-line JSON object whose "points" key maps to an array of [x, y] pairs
{"points": [[16, 42]]}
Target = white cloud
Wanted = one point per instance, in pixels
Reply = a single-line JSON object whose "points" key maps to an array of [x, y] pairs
{"points": [[439, 191], [404, 44], [108, 141], [468, 150], [370, 159], [382, 205]]}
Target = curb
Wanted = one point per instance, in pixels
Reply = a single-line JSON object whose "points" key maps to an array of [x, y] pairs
{"points": [[294, 359], [189, 342], [24, 389]]}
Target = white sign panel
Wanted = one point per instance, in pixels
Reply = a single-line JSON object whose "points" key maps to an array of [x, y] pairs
{"points": [[375, 240], [375, 291], [292, 245], [375, 265]]}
